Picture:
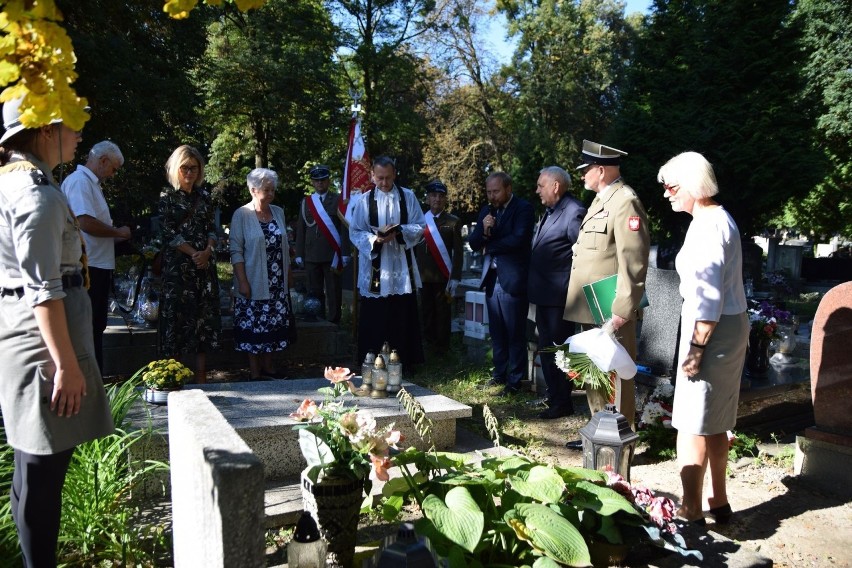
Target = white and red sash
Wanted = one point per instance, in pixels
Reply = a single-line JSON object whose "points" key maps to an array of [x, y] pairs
{"points": [[436, 246], [328, 229]]}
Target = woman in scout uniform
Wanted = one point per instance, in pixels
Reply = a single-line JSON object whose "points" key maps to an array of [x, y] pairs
{"points": [[51, 394]]}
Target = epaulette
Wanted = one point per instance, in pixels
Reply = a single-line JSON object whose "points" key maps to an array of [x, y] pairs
{"points": [[24, 166]]}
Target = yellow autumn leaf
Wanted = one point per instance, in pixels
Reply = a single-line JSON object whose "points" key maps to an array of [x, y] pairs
{"points": [[179, 9]]}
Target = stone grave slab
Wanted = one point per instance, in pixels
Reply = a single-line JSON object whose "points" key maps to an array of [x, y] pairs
{"points": [[259, 412]]}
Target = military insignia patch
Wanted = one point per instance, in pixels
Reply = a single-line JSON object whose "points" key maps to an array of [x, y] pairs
{"points": [[633, 223]]}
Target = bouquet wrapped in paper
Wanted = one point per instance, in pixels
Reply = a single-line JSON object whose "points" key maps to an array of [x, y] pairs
{"points": [[594, 358]]}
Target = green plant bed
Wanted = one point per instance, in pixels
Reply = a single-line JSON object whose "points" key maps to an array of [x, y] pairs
{"points": [[805, 305], [100, 522]]}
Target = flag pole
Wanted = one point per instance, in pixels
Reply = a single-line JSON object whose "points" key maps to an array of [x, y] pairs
{"points": [[345, 199]]}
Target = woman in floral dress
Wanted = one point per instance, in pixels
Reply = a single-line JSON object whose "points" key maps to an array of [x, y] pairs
{"points": [[261, 258], [189, 307]]}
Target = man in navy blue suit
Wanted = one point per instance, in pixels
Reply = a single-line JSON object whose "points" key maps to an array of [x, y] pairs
{"points": [[550, 268], [503, 233]]}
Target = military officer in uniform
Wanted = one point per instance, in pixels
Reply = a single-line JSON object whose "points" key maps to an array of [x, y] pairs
{"points": [[613, 239], [439, 258], [322, 246]]}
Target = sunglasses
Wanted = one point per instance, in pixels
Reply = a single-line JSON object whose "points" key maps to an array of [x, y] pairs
{"points": [[189, 169], [672, 189]]}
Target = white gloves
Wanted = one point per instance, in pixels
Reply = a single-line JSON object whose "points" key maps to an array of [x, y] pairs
{"points": [[451, 287], [299, 262], [346, 261]]}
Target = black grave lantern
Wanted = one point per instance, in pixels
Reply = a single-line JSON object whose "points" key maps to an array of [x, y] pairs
{"points": [[608, 442]]}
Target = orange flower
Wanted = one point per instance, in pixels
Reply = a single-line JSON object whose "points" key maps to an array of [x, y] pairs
{"points": [[381, 464], [338, 374], [306, 412]]}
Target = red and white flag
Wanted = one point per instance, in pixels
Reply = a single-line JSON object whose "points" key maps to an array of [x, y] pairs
{"points": [[356, 174]]}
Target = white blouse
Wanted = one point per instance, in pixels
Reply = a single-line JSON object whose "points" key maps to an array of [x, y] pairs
{"points": [[710, 265], [394, 265]]}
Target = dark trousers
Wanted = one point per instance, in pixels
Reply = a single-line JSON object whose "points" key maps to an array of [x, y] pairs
{"points": [[36, 499], [552, 329], [324, 284], [437, 314], [507, 324], [100, 281], [393, 319]]}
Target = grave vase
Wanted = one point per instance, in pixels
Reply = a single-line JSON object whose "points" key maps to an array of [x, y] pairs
{"points": [[158, 396], [335, 502], [757, 356]]}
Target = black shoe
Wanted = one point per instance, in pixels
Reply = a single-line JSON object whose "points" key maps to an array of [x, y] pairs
{"points": [[575, 445], [722, 515], [556, 412], [495, 383], [509, 391]]}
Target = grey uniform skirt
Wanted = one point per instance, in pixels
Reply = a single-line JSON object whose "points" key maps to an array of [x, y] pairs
{"points": [[706, 404], [26, 379]]}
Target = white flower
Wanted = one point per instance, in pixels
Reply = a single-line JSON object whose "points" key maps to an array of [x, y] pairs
{"points": [[664, 391], [562, 361]]}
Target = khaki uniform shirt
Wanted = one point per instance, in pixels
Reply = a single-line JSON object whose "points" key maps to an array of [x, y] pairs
{"points": [[613, 239], [311, 244], [450, 228]]}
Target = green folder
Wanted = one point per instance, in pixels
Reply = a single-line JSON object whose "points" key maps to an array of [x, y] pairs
{"points": [[600, 295]]}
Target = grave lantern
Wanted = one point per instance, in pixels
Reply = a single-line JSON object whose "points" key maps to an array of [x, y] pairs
{"points": [[307, 549], [608, 442]]}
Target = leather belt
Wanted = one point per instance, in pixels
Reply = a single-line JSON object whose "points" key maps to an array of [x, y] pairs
{"points": [[72, 280], [68, 281]]}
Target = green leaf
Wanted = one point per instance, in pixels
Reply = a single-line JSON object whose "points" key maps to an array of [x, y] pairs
{"points": [[550, 533], [391, 507], [545, 562], [459, 519], [541, 483], [603, 500]]}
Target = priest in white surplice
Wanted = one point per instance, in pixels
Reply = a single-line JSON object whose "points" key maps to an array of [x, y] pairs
{"points": [[387, 223]]}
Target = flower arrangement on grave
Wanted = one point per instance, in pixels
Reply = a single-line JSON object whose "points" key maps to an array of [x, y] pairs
{"points": [[659, 510], [164, 374], [655, 427], [777, 281], [345, 441], [765, 319]]}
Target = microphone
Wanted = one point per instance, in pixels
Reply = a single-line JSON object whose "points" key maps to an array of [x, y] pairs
{"points": [[493, 212]]}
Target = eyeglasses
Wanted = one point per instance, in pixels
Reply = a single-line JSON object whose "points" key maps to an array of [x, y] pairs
{"points": [[189, 169], [672, 189]]}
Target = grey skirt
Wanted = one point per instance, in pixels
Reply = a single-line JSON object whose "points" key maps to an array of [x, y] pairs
{"points": [[706, 404], [26, 379]]}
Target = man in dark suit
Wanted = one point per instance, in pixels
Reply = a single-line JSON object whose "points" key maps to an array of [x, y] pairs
{"points": [[503, 233], [322, 248], [550, 268], [439, 258]]}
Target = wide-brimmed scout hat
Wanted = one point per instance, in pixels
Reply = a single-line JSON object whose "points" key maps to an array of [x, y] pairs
{"points": [[12, 119]]}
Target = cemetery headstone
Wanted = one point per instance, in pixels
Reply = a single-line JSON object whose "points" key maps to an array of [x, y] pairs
{"points": [[657, 346], [824, 453], [831, 362]]}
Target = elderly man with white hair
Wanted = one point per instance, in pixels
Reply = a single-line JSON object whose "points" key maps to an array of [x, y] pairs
{"points": [[86, 198]]}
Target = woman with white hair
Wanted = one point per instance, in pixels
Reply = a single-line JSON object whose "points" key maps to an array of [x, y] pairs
{"points": [[260, 254], [714, 334], [51, 393], [189, 319]]}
